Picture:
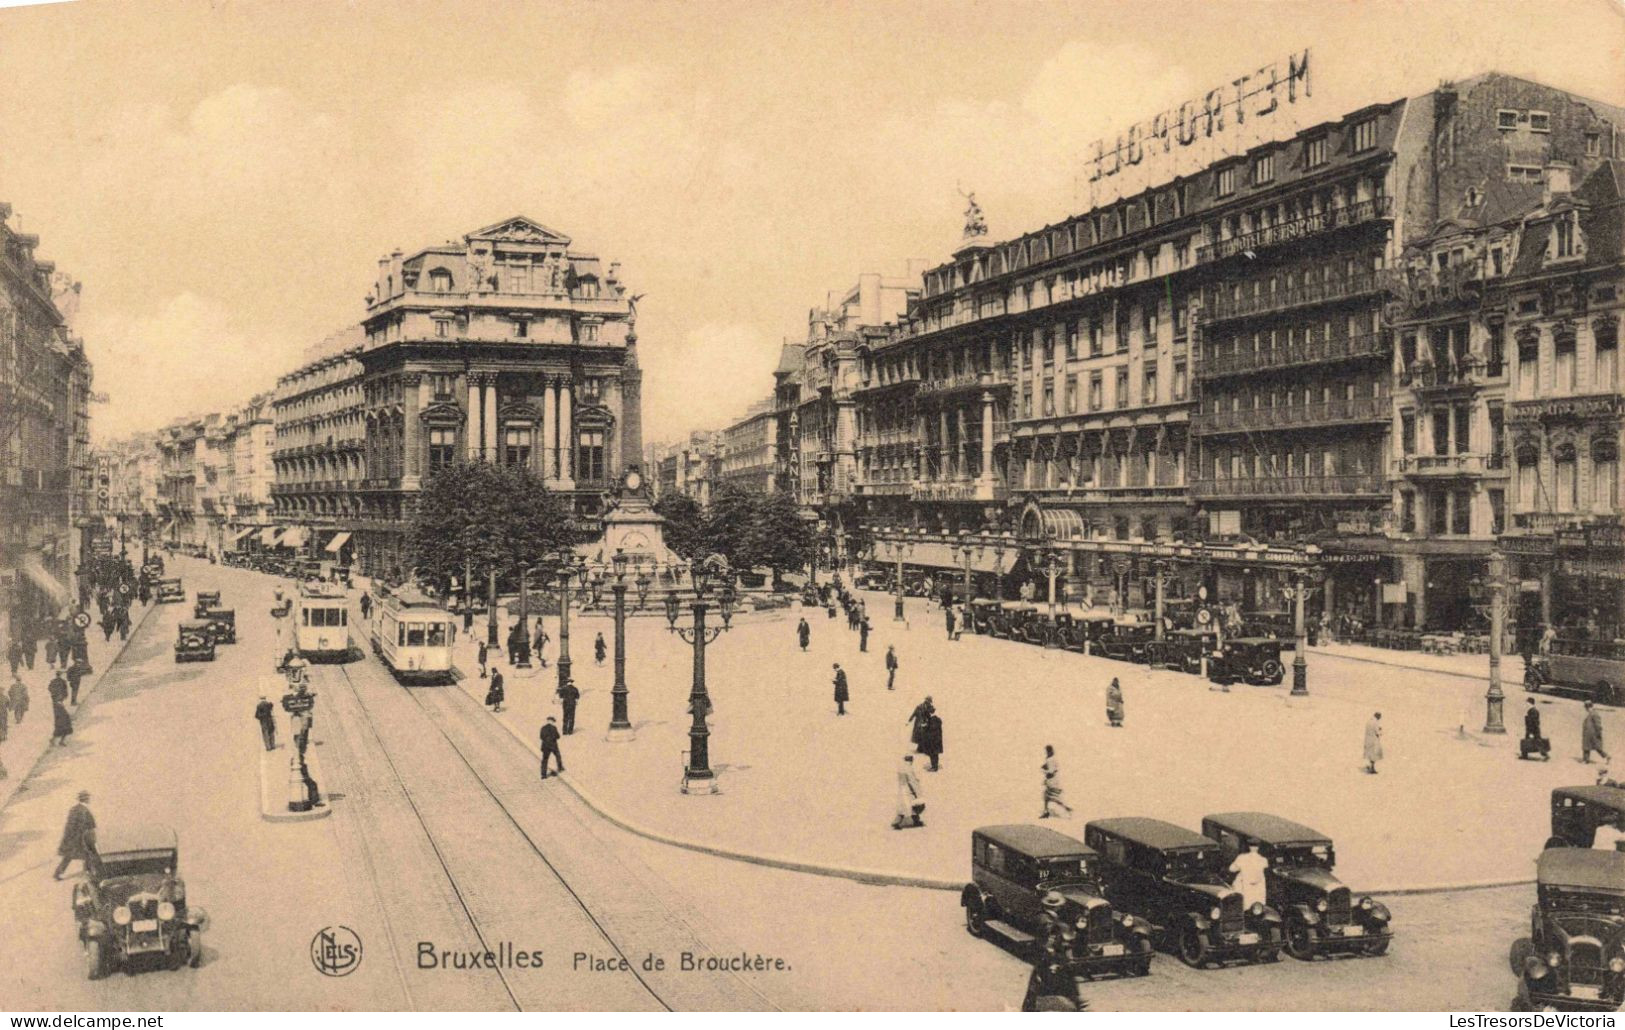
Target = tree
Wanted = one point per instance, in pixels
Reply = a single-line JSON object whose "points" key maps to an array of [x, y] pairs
{"points": [[489, 518], [685, 525], [786, 539], [733, 527]]}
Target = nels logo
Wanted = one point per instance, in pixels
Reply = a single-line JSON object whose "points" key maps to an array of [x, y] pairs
{"points": [[335, 951]]}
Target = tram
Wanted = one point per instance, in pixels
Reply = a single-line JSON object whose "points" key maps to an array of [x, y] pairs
{"points": [[321, 623], [412, 634]]}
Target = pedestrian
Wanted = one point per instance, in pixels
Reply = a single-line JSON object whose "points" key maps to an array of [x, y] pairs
{"points": [[494, 694], [30, 646], [62, 724], [366, 606], [18, 699], [541, 642], [803, 633], [123, 623], [78, 837], [841, 693], [909, 803], [265, 715], [919, 718], [948, 617], [568, 696], [76, 673], [50, 650], [14, 655], [1247, 875], [550, 745], [1053, 792], [58, 688], [830, 608], [598, 649], [931, 744], [109, 623], [891, 666], [1114, 704], [1547, 636], [5, 722], [485, 656], [1373, 743], [863, 633], [1591, 735]]}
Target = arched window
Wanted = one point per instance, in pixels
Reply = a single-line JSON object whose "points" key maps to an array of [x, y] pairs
{"points": [[1604, 475], [439, 281], [1528, 458], [1566, 481]]}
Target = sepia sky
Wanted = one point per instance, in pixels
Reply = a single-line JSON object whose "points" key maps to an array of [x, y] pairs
{"points": [[223, 176]]}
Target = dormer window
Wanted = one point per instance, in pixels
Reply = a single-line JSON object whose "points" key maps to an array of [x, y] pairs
{"points": [[439, 281], [1540, 121], [1506, 119], [1565, 237]]}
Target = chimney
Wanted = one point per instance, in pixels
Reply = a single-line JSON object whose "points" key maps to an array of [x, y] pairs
{"points": [[1558, 179]]}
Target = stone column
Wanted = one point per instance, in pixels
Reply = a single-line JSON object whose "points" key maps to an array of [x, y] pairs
{"points": [[987, 434], [549, 438], [962, 451], [491, 452], [942, 444], [412, 385], [471, 418], [566, 433]]}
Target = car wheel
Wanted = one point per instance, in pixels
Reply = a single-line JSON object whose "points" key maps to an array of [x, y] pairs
{"points": [[975, 918], [1192, 948], [1377, 949], [1522, 948], [95, 960], [1556, 842], [1300, 942]]}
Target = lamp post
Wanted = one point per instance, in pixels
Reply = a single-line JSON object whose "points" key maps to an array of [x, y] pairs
{"points": [[899, 549], [568, 569], [620, 723], [998, 568], [1302, 576], [492, 640], [523, 661], [967, 550], [1159, 569], [1494, 699], [697, 776]]}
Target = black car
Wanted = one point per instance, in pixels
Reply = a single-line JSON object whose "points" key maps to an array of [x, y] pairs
{"points": [[132, 905], [1014, 867], [1574, 956], [1128, 641], [222, 625], [206, 599], [194, 641], [1321, 915], [1578, 811], [1255, 660], [1182, 649], [1179, 882]]}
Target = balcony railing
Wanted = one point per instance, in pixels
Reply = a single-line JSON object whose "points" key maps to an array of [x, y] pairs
{"points": [[1225, 306], [960, 381], [1371, 345], [961, 490], [879, 383], [883, 489], [1423, 466], [1425, 375], [1299, 228], [1332, 412], [1291, 486]]}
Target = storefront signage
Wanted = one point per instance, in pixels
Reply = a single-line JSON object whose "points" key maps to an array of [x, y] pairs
{"points": [[1602, 405], [1593, 568], [1254, 95]]}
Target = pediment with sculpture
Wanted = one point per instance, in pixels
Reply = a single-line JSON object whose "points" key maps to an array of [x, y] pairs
{"points": [[520, 230]]}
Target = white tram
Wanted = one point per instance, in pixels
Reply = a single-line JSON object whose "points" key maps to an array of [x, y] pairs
{"points": [[321, 623], [412, 634]]}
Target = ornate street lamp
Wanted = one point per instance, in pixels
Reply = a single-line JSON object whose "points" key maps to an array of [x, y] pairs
{"points": [[900, 548], [1159, 569], [712, 573], [567, 569], [967, 551], [1304, 574], [1495, 584], [620, 723], [523, 658]]}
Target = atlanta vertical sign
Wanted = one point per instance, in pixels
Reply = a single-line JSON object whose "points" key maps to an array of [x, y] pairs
{"points": [[1256, 95]]}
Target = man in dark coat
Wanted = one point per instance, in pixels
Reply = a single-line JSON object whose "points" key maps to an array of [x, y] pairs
{"points": [[17, 698], [550, 745], [1591, 735], [920, 717], [842, 695], [265, 713], [14, 654], [485, 655], [891, 667], [863, 632], [57, 689], [803, 633], [948, 618], [599, 649], [1531, 721], [568, 696], [496, 694], [931, 740], [76, 672], [78, 836], [366, 606]]}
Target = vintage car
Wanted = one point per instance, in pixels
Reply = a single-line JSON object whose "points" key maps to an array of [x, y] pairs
{"points": [[1574, 956], [1255, 660], [1007, 617], [153, 566], [1321, 915], [1182, 649], [1013, 867], [194, 641], [206, 599], [1038, 628], [1593, 670], [1578, 811], [979, 617], [1179, 882], [1128, 641], [872, 581], [171, 590], [1082, 629], [222, 625], [132, 905]]}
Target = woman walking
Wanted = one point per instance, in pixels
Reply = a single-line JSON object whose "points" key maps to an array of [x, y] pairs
{"points": [[1052, 784], [62, 727], [1114, 703], [494, 695]]}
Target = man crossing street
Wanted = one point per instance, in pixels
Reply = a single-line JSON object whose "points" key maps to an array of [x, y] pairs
{"points": [[842, 695], [569, 694], [550, 745], [891, 667]]}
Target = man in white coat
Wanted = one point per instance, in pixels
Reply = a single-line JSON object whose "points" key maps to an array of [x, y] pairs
{"points": [[1373, 742], [909, 804], [1248, 875]]}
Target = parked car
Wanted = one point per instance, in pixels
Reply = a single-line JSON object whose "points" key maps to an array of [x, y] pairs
{"points": [[1083, 628], [1127, 641], [206, 599], [1590, 669], [171, 590], [871, 581], [132, 905], [1014, 867], [222, 625], [1578, 811], [1321, 915], [194, 641], [980, 615], [154, 565], [1179, 882], [1008, 617], [1574, 956], [1182, 649], [1255, 660]]}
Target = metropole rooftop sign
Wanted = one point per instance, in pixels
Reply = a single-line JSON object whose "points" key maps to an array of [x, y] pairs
{"points": [[1221, 110]]}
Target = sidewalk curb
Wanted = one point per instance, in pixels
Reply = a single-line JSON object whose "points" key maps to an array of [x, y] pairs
{"points": [[275, 810], [1399, 665], [85, 694]]}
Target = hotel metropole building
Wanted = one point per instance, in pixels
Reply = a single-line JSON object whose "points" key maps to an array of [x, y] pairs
{"points": [[1212, 357]]}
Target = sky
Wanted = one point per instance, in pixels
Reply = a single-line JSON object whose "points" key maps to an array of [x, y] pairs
{"points": [[223, 176]]}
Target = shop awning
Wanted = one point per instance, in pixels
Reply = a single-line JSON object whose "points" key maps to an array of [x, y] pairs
{"points": [[1063, 524], [240, 534], [295, 536], [164, 531], [41, 577], [944, 556], [268, 535], [338, 542]]}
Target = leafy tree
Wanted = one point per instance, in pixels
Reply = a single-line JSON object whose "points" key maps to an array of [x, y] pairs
{"points": [[489, 517], [685, 525], [786, 540], [733, 527]]}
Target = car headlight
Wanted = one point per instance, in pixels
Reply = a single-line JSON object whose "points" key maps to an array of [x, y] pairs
{"points": [[1534, 968], [1215, 914], [1128, 922], [1616, 964], [1553, 959], [121, 915], [1365, 904], [1321, 906], [166, 911], [1257, 909]]}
